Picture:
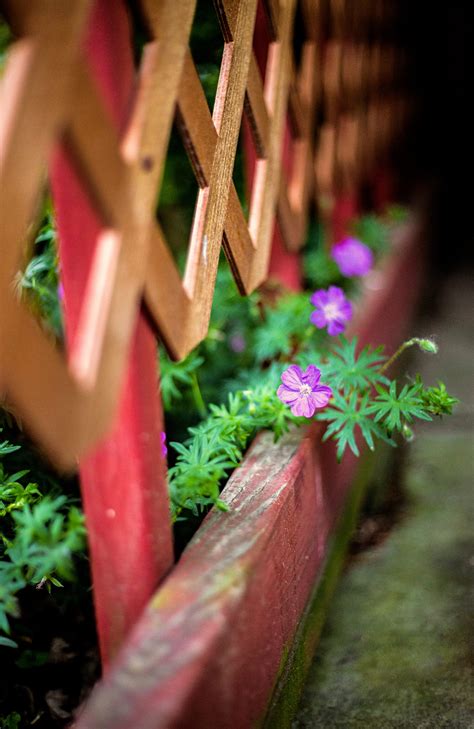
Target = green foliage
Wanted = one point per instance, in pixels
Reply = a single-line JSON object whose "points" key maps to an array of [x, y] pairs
{"points": [[13, 494], [176, 377], [40, 280], [344, 415], [216, 445], [46, 539], [367, 405], [376, 230], [39, 532], [12, 721], [349, 371], [11, 581], [373, 231], [361, 400], [7, 447], [319, 269], [394, 409], [437, 400], [284, 327]]}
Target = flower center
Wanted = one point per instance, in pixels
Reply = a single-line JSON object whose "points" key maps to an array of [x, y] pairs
{"points": [[331, 311], [305, 390]]}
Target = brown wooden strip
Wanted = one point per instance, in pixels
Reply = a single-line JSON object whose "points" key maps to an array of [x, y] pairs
{"points": [[256, 110]]}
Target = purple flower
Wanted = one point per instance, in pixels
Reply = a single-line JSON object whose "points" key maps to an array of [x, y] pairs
{"points": [[237, 342], [353, 257], [332, 310], [302, 391], [164, 449], [61, 292]]}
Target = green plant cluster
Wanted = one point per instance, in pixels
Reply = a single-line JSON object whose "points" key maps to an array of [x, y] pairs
{"points": [[41, 529], [366, 405], [216, 446], [273, 330], [39, 281], [41, 525]]}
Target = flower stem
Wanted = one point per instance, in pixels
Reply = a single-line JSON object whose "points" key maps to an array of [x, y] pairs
{"points": [[397, 354], [426, 345], [197, 395]]}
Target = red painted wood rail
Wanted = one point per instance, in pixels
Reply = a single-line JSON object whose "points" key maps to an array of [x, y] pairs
{"points": [[123, 480], [209, 648]]}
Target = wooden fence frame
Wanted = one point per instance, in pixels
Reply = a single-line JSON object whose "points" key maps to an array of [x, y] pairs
{"points": [[73, 103]]}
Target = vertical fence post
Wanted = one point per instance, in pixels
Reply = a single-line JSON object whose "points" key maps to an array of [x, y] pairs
{"points": [[123, 480]]}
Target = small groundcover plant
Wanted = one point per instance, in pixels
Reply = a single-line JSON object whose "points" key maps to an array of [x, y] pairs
{"points": [[295, 364]]}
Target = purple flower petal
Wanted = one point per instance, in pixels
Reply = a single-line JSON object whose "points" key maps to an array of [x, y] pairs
{"points": [[335, 327], [336, 294], [304, 407], [333, 311], [318, 319], [346, 310], [164, 449], [319, 298], [311, 376], [322, 396], [292, 377], [286, 395], [237, 343], [304, 394], [353, 257]]}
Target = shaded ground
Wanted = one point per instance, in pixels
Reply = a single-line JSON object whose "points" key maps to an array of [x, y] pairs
{"points": [[398, 649]]}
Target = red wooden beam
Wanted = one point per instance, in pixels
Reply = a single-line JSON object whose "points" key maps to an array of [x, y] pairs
{"points": [[346, 208], [123, 481]]}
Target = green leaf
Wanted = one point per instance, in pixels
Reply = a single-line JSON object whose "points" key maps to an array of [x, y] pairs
{"points": [[437, 400], [345, 414], [11, 721], [177, 377], [285, 327], [349, 371], [373, 231], [6, 448], [394, 409]]}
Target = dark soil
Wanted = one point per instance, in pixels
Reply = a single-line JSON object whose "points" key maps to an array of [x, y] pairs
{"points": [[46, 679]]}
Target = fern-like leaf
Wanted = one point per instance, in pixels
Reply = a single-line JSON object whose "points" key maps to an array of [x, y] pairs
{"points": [[348, 371], [344, 415], [394, 409]]}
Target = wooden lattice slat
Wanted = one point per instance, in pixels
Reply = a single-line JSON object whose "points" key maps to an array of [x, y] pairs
{"points": [[68, 403]]}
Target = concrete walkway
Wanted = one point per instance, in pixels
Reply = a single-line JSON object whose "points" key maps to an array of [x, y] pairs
{"points": [[397, 650]]}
